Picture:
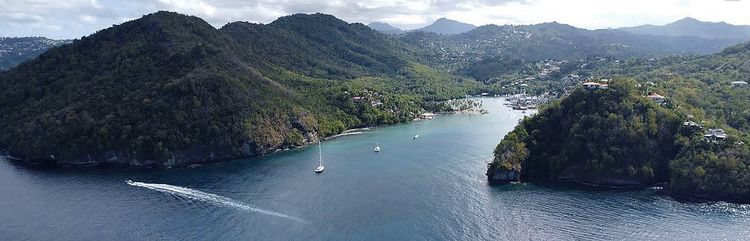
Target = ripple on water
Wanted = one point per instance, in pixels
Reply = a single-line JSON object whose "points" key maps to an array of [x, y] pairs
{"points": [[432, 188]]}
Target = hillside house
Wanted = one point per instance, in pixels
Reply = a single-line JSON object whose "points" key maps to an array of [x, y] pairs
{"points": [[659, 99], [738, 84], [692, 124], [715, 135], [358, 99], [595, 86]]}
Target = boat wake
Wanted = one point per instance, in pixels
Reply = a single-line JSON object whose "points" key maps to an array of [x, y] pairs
{"points": [[207, 197]]}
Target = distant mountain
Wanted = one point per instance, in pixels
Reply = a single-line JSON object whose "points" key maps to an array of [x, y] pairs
{"points": [[385, 28], [740, 48], [320, 45], [493, 45], [447, 26], [169, 89], [14, 51], [696, 28]]}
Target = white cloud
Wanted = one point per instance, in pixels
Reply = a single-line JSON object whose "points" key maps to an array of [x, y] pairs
{"points": [[75, 18], [56, 19], [87, 18], [606, 13], [192, 6]]}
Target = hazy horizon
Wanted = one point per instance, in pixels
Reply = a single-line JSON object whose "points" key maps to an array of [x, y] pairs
{"points": [[69, 19]]}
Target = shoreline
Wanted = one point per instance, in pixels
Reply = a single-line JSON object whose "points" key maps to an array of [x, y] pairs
{"points": [[349, 132], [4, 154], [151, 164]]}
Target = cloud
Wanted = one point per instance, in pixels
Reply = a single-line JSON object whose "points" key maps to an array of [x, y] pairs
{"points": [[76, 18], [56, 19], [87, 18], [194, 6], [21, 18]]}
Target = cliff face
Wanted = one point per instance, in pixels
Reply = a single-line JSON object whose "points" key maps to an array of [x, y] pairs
{"points": [[509, 156], [502, 176]]}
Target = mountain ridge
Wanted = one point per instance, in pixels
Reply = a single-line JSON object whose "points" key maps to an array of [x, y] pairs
{"points": [[689, 26], [170, 90], [447, 27], [385, 28], [551, 41]]}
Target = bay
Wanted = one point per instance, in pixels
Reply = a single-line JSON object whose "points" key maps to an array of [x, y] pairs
{"points": [[429, 188]]}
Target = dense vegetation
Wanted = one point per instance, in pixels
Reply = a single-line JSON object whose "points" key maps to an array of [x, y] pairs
{"points": [[712, 170], [169, 89], [592, 136], [549, 57], [698, 89], [693, 27], [550, 41], [701, 85]]}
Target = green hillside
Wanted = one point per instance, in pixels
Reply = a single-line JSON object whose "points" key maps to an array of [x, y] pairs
{"points": [[611, 137], [606, 137], [169, 89]]}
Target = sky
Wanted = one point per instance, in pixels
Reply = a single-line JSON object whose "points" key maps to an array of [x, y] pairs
{"points": [[65, 19]]}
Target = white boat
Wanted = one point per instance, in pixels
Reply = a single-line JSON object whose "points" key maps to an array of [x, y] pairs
{"points": [[415, 137], [377, 148], [320, 167]]}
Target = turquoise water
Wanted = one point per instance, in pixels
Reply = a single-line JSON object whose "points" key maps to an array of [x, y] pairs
{"points": [[431, 188]]}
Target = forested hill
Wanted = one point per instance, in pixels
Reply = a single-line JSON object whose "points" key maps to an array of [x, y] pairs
{"points": [[169, 89], [694, 27], [613, 137], [494, 43], [321, 45], [608, 138], [706, 87]]}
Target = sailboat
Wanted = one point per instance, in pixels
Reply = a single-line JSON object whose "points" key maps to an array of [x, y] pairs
{"points": [[320, 167], [377, 147]]}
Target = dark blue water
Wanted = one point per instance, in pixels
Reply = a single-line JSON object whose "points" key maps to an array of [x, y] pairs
{"points": [[431, 188]]}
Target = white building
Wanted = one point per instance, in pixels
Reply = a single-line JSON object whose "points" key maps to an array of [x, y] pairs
{"points": [[595, 86], [692, 124], [715, 134], [657, 98], [736, 84]]}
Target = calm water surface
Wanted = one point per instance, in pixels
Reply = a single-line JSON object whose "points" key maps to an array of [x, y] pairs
{"points": [[431, 188]]}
